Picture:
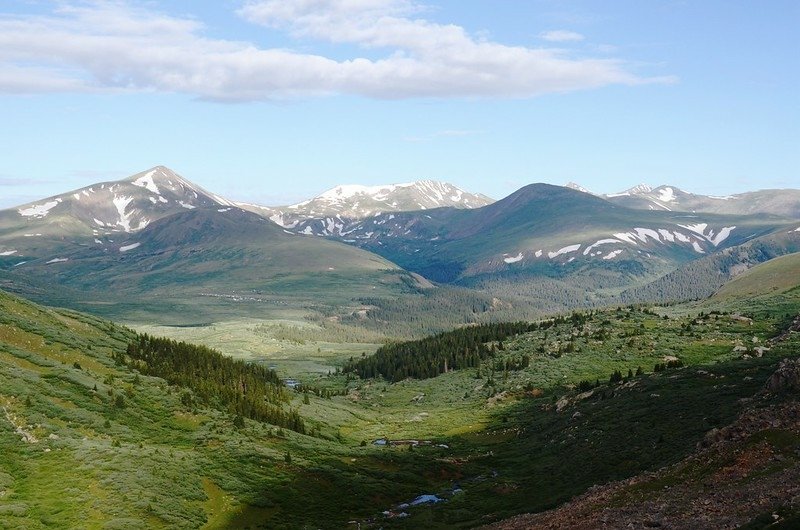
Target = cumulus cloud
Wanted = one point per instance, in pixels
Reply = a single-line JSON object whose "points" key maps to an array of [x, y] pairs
{"points": [[117, 46], [560, 35]]}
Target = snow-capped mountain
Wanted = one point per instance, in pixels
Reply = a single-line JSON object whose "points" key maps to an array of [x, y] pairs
{"points": [[577, 187], [639, 189], [100, 215], [335, 211], [781, 203], [784, 203], [542, 226], [121, 206]]}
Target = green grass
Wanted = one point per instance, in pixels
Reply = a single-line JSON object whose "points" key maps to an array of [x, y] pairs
{"points": [[766, 280], [158, 464]]}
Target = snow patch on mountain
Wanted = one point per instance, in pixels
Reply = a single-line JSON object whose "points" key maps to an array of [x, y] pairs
{"points": [[8, 253], [698, 228], [57, 260], [577, 187], [598, 243], [223, 201], [715, 239], [666, 194], [125, 248], [723, 234], [613, 254], [187, 205], [514, 259], [121, 203], [39, 211], [147, 182], [667, 235], [565, 250]]}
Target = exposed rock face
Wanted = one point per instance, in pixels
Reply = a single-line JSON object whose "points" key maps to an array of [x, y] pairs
{"points": [[786, 378]]}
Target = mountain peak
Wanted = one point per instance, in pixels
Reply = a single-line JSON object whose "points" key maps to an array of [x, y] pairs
{"points": [[577, 187], [151, 178], [356, 201], [639, 189]]}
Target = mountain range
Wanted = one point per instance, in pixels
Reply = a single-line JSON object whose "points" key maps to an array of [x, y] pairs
{"points": [[781, 202], [156, 232]]}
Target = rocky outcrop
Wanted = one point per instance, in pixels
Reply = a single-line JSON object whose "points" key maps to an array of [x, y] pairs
{"points": [[786, 378]]}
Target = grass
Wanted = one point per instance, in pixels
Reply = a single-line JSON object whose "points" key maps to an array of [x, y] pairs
{"points": [[766, 280], [157, 464]]}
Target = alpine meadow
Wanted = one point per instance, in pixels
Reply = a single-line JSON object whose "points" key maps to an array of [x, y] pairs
{"points": [[366, 291]]}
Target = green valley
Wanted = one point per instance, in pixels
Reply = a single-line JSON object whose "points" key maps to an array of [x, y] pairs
{"points": [[90, 441]]}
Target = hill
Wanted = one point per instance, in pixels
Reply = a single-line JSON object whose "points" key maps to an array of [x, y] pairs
{"points": [[201, 264], [701, 278], [773, 277]]}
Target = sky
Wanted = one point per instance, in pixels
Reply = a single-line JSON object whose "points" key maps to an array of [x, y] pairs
{"points": [[275, 101]]}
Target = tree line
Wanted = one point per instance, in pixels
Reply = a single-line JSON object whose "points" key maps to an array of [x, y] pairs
{"points": [[425, 358], [241, 388]]}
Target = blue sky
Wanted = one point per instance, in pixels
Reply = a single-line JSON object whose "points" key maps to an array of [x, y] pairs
{"points": [[275, 101]]}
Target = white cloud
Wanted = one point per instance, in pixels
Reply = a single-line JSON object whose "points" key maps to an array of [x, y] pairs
{"points": [[114, 46], [561, 35]]}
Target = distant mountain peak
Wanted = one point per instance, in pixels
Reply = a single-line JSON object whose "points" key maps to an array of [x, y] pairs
{"points": [[105, 208], [356, 201], [432, 188], [639, 189], [577, 187]]}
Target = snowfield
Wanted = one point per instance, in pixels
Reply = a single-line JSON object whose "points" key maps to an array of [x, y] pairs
{"points": [[565, 250], [39, 211], [147, 182]]}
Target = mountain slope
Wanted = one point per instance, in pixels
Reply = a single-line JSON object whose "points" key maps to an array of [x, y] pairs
{"points": [[97, 215], [701, 278], [87, 441], [771, 278], [204, 262]]}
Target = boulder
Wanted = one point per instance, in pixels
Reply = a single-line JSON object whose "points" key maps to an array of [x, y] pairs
{"points": [[786, 378]]}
